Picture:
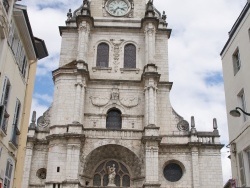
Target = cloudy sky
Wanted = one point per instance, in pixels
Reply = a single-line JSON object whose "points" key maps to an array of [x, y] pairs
{"points": [[200, 30]]}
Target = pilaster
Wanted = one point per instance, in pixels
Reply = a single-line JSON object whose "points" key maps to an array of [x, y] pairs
{"points": [[72, 162], [27, 164], [149, 31], [195, 164], [151, 79], [83, 39], [151, 140]]}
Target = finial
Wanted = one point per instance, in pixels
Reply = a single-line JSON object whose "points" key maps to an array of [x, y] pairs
{"points": [[33, 121], [164, 17], [69, 14], [193, 129], [215, 124], [192, 122]]}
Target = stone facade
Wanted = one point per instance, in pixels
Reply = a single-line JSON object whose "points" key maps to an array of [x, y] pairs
{"points": [[73, 141]]}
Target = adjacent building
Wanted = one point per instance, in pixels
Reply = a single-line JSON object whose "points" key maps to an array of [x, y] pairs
{"points": [[111, 122], [19, 53], [236, 65]]}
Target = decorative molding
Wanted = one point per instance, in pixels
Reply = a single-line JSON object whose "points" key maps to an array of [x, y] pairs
{"points": [[130, 70], [99, 101], [108, 69], [116, 52], [183, 125], [130, 102], [44, 120]]}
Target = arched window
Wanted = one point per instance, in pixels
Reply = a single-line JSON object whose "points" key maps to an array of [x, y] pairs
{"points": [[130, 56], [101, 177], [102, 59], [114, 119]]}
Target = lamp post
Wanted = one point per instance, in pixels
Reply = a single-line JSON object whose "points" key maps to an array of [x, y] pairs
{"points": [[236, 112]]}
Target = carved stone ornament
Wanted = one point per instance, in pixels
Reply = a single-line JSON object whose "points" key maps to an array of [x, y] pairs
{"points": [[116, 52], [99, 101], [115, 95], [130, 102], [44, 120], [183, 125]]}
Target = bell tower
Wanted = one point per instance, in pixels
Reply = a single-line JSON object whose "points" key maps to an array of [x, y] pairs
{"points": [[111, 123]]}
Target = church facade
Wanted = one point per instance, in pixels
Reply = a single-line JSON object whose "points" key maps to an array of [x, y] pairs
{"points": [[111, 123]]}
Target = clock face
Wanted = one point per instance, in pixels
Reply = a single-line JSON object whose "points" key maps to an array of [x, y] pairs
{"points": [[118, 7]]}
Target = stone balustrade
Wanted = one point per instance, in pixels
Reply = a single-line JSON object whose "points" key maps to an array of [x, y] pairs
{"points": [[208, 138], [106, 133]]}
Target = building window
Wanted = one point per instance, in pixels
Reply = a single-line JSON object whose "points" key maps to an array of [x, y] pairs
{"points": [[41, 173], [8, 173], [120, 172], [241, 168], [130, 56], [242, 102], [102, 55], [4, 103], [236, 61], [173, 172], [15, 133], [114, 119], [17, 49]]}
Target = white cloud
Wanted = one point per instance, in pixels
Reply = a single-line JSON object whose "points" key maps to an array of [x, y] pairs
{"points": [[199, 33]]}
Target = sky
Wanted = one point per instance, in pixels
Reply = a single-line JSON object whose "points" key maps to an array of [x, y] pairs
{"points": [[199, 32]]}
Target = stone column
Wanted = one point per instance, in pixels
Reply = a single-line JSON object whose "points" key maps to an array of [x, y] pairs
{"points": [[150, 102], [151, 106], [151, 78], [195, 167], [27, 164], [146, 105], [150, 43], [83, 39]]}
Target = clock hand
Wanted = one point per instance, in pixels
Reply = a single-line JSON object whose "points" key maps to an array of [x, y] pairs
{"points": [[116, 9]]}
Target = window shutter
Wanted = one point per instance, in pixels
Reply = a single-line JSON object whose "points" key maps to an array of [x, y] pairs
{"points": [[241, 168], [4, 89], [8, 173], [17, 111], [2, 112]]}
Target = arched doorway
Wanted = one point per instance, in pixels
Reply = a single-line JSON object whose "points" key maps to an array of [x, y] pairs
{"points": [[128, 166]]}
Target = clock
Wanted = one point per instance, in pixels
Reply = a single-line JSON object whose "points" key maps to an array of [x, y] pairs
{"points": [[118, 7]]}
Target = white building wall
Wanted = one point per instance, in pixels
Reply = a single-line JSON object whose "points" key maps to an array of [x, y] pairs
{"points": [[234, 84]]}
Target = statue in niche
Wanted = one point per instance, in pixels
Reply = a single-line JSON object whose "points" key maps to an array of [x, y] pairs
{"points": [[111, 173], [114, 95]]}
